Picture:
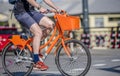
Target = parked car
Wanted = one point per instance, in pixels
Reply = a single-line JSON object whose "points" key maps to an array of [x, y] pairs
{"points": [[5, 32]]}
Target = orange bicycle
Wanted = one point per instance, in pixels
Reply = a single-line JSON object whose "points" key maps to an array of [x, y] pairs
{"points": [[72, 57]]}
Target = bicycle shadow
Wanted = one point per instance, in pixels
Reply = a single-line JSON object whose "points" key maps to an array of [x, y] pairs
{"points": [[112, 69], [46, 74], [35, 74]]}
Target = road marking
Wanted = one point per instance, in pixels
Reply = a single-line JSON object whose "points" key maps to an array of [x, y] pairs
{"points": [[79, 69], [54, 72], [115, 60], [99, 65]]}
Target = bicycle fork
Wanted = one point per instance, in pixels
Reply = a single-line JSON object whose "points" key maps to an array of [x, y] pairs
{"points": [[66, 48]]}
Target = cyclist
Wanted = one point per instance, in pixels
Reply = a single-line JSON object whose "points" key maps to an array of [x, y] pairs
{"points": [[27, 15]]}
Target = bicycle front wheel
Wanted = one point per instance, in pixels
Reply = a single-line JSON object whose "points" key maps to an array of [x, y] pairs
{"points": [[79, 61], [17, 62]]}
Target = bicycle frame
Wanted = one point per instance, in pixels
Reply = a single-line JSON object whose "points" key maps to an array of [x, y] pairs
{"points": [[21, 43], [74, 50]]}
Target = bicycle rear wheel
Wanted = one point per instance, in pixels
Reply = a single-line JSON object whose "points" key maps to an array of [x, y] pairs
{"points": [[78, 64], [16, 62]]}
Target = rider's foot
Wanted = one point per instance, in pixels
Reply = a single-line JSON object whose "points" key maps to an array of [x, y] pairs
{"points": [[41, 66]]}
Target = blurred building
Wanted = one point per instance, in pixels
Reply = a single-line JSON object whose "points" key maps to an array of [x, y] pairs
{"points": [[102, 13]]}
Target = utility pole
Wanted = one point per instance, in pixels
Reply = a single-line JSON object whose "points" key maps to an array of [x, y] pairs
{"points": [[85, 16]]}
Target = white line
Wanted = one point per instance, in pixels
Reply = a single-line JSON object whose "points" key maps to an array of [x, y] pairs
{"points": [[98, 65], [79, 69], [115, 60]]}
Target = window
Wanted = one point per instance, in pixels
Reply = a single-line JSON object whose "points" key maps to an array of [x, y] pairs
{"points": [[112, 19], [99, 22]]}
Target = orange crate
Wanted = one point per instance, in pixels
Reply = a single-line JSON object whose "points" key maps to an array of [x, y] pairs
{"points": [[68, 23]]}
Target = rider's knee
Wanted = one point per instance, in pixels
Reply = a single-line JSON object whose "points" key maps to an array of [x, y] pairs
{"points": [[36, 30], [51, 24], [38, 33]]}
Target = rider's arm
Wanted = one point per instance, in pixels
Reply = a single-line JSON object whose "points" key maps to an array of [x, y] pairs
{"points": [[34, 3], [51, 4], [48, 2]]}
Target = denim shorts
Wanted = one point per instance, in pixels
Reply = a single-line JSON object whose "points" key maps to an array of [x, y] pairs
{"points": [[28, 18]]}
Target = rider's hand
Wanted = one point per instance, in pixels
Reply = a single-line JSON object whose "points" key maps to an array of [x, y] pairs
{"points": [[58, 10]]}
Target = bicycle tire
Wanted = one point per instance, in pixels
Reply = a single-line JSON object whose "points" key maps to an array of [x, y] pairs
{"points": [[10, 64], [75, 66]]}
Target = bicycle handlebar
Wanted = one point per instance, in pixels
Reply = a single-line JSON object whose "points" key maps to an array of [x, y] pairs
{"points": [[53, 11]]}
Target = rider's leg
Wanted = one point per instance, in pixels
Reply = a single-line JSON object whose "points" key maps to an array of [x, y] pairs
{"points": [[48, 23], [36, 30]]}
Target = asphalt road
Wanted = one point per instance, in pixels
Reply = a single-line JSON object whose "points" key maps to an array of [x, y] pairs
{"points": [[104, 63]]}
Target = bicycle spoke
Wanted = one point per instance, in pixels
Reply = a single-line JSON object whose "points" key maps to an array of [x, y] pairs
{"points": [[79, 62], [19, 61]]}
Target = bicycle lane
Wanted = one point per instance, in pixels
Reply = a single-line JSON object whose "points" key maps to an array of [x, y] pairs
{"points": [[104, 63]]}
